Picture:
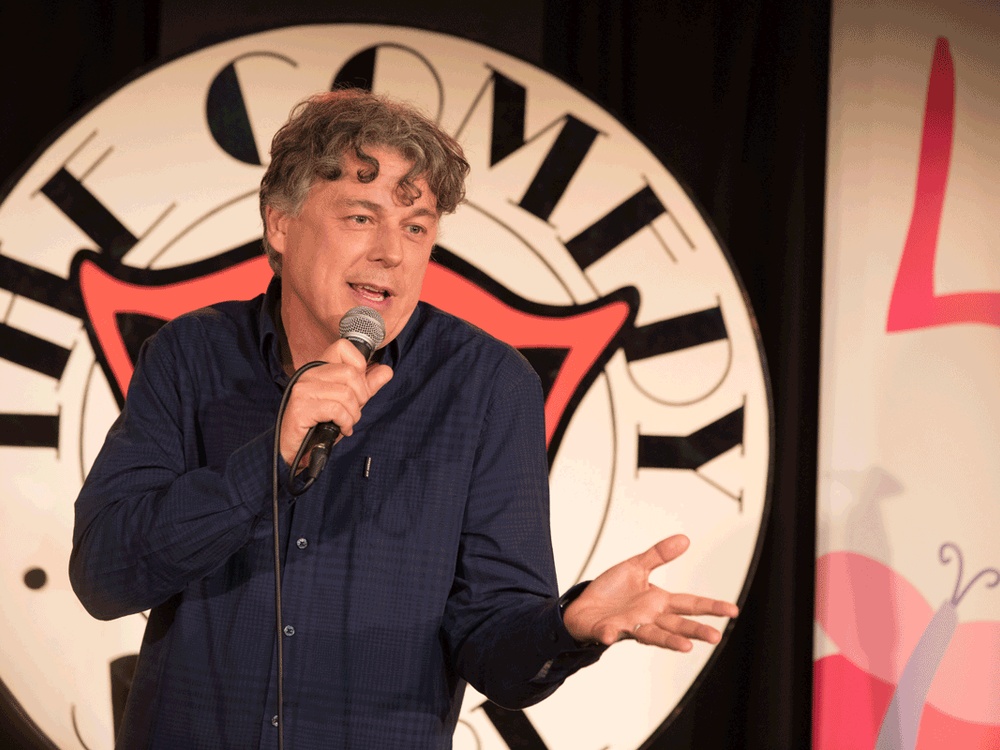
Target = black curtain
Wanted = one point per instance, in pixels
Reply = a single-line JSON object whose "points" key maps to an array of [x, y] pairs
{"points": [[731, 97]]}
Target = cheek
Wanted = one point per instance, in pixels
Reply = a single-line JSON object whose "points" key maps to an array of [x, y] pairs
{"points": [[416, 271]]}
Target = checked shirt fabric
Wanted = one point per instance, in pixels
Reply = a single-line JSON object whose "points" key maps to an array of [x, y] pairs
{"points": [[419, 561]]}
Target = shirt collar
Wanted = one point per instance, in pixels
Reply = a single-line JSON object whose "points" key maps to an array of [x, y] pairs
{"points": [[270, 333], [393, 353]]}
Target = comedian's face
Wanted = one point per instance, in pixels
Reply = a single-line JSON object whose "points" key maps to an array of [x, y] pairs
{"points": [[353, 243]]}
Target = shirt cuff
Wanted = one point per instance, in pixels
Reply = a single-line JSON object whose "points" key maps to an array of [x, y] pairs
{"points": [[248, 474], [567, 654]]}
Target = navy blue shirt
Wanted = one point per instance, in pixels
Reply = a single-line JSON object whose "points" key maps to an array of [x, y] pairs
{"points": [[419, 561]]}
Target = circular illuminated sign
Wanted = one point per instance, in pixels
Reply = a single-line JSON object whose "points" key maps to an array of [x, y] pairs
{"points": [[576, 245]]}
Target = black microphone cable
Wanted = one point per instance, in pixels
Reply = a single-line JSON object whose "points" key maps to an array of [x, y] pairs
{"points": [[277, 536], [364, 328]]}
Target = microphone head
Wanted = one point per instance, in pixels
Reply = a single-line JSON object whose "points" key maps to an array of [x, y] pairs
{"points": [[364, 328]]}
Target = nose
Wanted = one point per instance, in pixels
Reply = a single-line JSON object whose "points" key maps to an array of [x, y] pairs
{"points": [[387, 248]]}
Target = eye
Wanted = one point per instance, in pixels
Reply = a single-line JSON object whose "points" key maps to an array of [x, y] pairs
{"points": [[416, 229], [359, 219]]}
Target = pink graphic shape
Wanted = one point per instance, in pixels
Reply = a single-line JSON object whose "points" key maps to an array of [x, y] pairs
{"points": [[914, 304], [876, 617], [105, 297], [849, 704], [873, 615], [585, 335]]}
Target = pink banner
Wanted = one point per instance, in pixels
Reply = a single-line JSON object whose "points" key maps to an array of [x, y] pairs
{"points": [[907, 598]]}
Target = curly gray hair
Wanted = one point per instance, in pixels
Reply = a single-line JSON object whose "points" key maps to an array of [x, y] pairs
{"points": [[321, 129]]}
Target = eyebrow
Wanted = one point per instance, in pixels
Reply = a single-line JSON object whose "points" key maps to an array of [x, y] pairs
{"points": [[360, 203], [377, 208], [424, 212]]}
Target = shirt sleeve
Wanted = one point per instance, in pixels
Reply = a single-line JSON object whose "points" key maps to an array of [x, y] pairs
{"points": [[503, 622], [148, 519]]}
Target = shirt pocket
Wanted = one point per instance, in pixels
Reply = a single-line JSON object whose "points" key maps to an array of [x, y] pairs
{"points": [[406, 498], [409, 540]]}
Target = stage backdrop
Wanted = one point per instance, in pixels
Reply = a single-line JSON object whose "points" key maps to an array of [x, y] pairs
{"points": [[603, 258], [907, 603]]}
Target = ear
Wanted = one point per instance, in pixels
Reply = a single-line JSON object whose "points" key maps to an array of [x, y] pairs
{"points": [[276, 227]]}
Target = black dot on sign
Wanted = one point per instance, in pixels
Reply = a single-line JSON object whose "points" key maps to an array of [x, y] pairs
{"points": [[35, 578]]}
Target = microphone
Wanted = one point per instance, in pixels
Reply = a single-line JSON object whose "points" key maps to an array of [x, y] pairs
{"points": [[364, 328]]}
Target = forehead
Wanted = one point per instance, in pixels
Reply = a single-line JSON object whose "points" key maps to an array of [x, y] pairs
{"points": [[393, 172]]}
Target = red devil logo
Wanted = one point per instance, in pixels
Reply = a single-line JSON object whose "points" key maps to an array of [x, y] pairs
{"points": [[567, 346]]}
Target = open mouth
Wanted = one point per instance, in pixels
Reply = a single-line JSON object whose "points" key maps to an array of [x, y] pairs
{"points": [[371, 293]]}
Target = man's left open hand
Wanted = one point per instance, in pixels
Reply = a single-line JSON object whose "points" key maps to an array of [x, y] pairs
{"points": [[621, 603]]}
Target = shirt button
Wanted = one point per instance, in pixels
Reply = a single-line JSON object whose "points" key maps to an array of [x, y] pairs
{"points": [[301, 542], [274, 720], [289, 630]]}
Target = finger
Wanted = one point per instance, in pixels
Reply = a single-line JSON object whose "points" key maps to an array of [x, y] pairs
{"points": [[317, 399], [663, 552], [691, 629], [334, 393], [344, 412], [343, 351], [332, 382], [376, 377], [343, 399], [652, 635], [331, 393], [300, 418], [690, 604]]}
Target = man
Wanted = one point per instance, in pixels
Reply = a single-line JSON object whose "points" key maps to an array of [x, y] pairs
{"points": [[420, 560]]}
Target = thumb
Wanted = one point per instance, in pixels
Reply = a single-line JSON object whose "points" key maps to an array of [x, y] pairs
{"points": [[376, 377], [664, 551]]}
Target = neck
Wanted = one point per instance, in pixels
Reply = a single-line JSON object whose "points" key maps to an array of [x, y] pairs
{"points": [[294, 345], [300, 335]]}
